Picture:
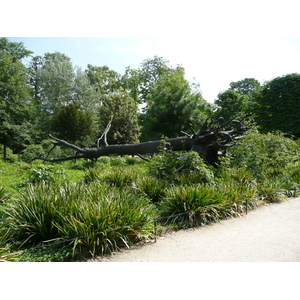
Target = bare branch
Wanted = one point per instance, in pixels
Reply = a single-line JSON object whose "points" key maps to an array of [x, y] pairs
{"points": [[104, 134]]}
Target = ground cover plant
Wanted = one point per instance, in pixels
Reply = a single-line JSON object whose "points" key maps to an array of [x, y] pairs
{"points": [[58, 212]]}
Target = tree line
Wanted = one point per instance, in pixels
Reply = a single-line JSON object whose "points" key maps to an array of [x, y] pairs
{"points": [[48, 95]]}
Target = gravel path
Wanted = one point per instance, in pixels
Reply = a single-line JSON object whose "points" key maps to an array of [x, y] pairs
{"points": [[267, 234]]}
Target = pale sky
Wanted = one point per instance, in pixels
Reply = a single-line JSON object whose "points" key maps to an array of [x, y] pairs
{"points": [[213, 62], [216, 41]]}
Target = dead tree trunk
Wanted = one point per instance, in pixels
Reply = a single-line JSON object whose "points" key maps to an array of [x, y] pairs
{"points": [[211, 142]]}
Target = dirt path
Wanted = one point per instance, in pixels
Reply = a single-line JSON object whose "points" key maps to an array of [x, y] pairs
{"points": [[267, 234]]}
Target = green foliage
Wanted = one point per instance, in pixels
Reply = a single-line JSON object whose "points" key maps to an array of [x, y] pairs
{"points": [[32, 151], [15, 106], [72, 124], [247, 86], [97, 218], [259, 152], [194, 205], [9, 156], [56, 84], [120, 177], [230, 104], [46, 174], [4, 195], [172, 106], [151, 187], [277, 105], [269, 190], [56, 253], [124, 126], [166, 163], [39, 150], [105, 80]]}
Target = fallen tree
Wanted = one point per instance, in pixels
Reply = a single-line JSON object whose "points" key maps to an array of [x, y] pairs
{"points": [[211, 142]]}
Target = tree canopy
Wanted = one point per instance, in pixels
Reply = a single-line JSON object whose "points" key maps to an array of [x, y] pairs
{"points": [[278, 105], [50, 95], [121, 110], [15, 108], [172, 106]]}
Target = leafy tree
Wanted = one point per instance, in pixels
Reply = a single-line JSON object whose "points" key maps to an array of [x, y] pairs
{"points": [[72, 123], [231, 103], [172, 106], [140, 82], [15, 105], [123, 110], [246, 86], [131, 82], [56, 84], [277, 105], [103, 79], [150, 71]]}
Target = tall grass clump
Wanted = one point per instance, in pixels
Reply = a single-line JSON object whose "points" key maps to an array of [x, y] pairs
{"points": [[270, 191], [4, 195], [119, 177], [153, 188], [194, 205], [189, 206], [95, 217]]}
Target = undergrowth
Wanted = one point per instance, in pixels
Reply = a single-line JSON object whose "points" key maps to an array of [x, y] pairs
{"points": [[55, 212]]}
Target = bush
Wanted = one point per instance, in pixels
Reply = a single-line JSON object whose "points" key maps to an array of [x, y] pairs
{"points": [[10, 157], [48, 174], [259, 152], [91, 175], [180, 169], [32, 151]]}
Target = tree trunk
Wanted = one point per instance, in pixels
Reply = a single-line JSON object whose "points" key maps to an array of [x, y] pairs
{"points": [[4, 152], [210, 143]]}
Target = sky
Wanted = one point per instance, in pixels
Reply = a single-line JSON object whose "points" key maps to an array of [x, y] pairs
{"points": [[217, 42], [213, 62]]}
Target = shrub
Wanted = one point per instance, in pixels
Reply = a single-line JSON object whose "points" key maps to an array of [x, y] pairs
{"points": [[104, 160], [10, 156], [48, 174], [258, 152], [293, 172], [164, 163], [117, 161], [181, 169], [32, 151]]}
